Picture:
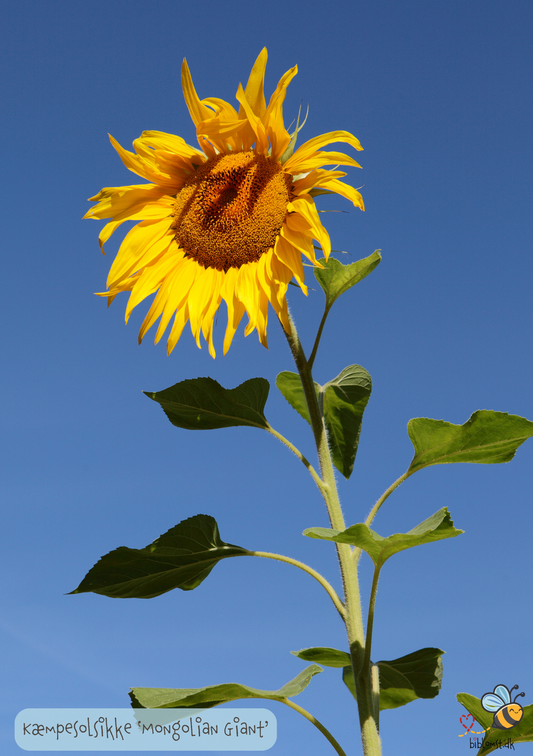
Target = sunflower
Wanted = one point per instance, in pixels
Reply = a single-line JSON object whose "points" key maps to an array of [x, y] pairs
{"points": [[229, 221]]}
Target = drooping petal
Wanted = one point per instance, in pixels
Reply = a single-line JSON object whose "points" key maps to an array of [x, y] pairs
{"points": [[302, 242], [114, 201], [106, 232], [143, 165], [163, 267], [200, 298], [290, 256], [235, 307], [177, 281], [305, 206], [208, 320], [137, 243], [296, 163]]}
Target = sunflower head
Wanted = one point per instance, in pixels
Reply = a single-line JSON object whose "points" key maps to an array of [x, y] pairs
{"points": [[229, 220]]}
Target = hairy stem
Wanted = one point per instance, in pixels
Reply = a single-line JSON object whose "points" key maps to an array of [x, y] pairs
{"points": [[316, 477], [339, 606], [353, 619], [326, 733]]}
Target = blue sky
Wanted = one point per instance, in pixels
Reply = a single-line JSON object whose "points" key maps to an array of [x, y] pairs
{"points": [[439, 94]]}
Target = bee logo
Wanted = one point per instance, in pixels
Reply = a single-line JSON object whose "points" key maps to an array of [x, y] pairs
{"points": [[507, 713]]}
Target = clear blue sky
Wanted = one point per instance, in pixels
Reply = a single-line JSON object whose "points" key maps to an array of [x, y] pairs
{"points": [[439, 95]]}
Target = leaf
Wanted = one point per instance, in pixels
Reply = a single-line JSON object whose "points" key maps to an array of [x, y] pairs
{"points": [[435, 528], [181, 558], [344, 400], [290, 386], [520, 733], [487, 438], [336, 278], [417, 675], [328, 657], [203, 404], [213, 695]]}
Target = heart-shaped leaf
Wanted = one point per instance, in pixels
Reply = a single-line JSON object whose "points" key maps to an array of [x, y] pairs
{"points": [[494, 737], [213, 695], [487, 437], [435, 528], [336, 278], [203, 404], [328, 657], [290, 386], [417, 675], [181, 558], [344, 400]]}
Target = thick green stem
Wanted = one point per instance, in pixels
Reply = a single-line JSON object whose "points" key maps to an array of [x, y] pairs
{"points": [[354, 619], [326, 733], [339, 606]]}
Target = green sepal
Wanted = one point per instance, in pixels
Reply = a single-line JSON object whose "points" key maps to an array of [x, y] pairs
{"points": [[417, 675], [213, 695], [343, 400], [181, 558], [328, 657], [336, 278], [435, 528], [520, 733], [488, 437], [203, 404]]}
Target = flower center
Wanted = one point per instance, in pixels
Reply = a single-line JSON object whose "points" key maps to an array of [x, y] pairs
{"points": [[231, 211]]}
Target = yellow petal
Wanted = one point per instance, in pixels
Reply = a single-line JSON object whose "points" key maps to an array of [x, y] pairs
{"points": [[106, 232], [254, 91], [302, 242], [155, 275], [310, 147], [261, 139], [322, 158], [200, 298], [306, 208], [314, 178], [222, 109], [137, 242], [160, 140], [277, 133], [127, 202], [143, 167], [292, 259], [181, 318], [235, 307], [178, 276], [207, 324], [198, 111]]}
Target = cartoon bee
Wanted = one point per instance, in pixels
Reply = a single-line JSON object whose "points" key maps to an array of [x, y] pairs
{"points": [[507, 713]]}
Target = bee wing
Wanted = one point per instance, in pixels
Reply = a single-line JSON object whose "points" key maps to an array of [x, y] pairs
{"points": [[503, 692], [492, 702]]}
